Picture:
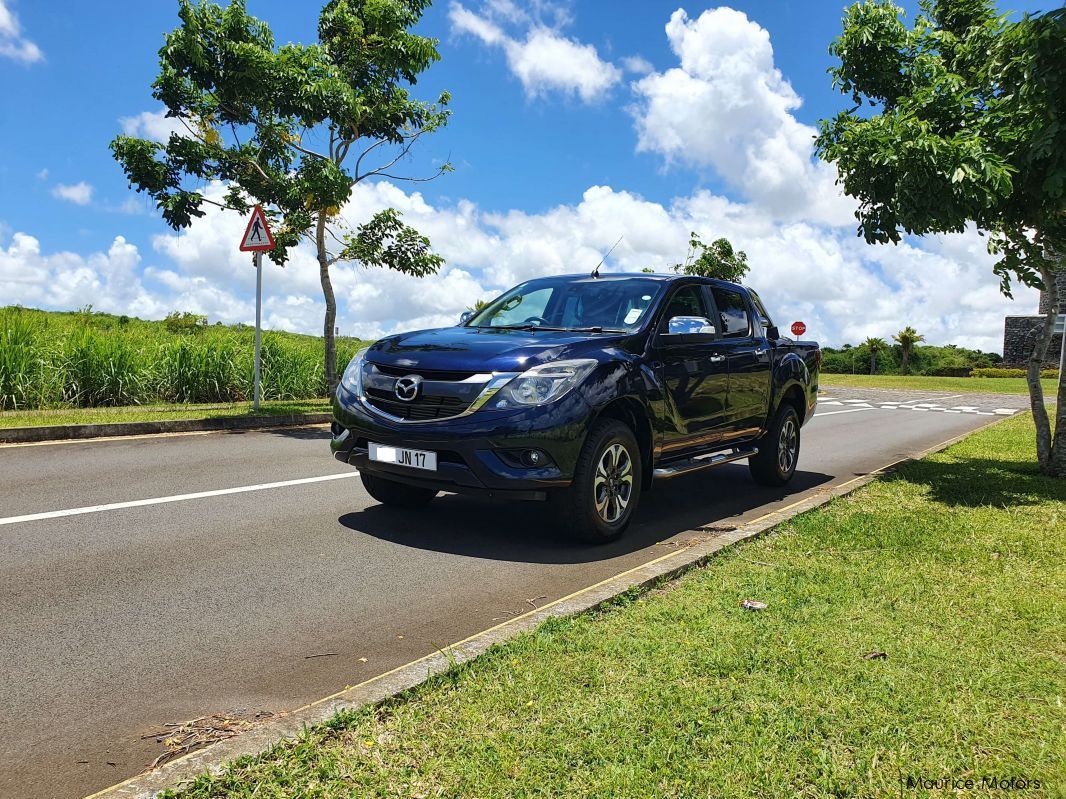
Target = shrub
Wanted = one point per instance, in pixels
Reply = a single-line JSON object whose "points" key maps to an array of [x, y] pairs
{"points": [[184, 322], [1051, 374]]}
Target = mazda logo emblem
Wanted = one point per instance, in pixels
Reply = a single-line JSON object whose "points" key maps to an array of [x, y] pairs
{"points": [[407, 388]]}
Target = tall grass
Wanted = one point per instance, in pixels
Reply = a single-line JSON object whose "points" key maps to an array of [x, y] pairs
{"points": [[86, 359]]}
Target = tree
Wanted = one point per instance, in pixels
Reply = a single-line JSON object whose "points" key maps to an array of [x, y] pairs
{"points": [[967, 128], [907, 338], [293, 128], [875, 346], [717, 259], [478, 305]]}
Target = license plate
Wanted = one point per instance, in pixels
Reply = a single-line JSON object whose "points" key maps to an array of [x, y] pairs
{"points": [[402, 456]]}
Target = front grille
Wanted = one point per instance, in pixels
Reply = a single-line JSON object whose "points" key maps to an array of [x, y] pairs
{"points": [[423, 408], [426, 374]]}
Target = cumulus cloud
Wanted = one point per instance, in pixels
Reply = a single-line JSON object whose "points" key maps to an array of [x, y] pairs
{"points": [[543, 60], [728, 108], [13, 44], [154, 125], [842, 288], [80, 193]]}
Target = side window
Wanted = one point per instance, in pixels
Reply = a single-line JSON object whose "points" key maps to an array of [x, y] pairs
{"points": [[687, 301], [732, 313], [760, 310]]}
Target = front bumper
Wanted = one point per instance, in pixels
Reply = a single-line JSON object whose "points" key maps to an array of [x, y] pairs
{"points": [[471, 450]]}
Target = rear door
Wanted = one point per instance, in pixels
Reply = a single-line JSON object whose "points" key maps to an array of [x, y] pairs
{"points": [[749, 357], [695, 372]]}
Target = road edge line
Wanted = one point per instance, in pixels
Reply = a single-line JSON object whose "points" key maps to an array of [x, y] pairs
{"points": [[215, 757], [15, 436]]}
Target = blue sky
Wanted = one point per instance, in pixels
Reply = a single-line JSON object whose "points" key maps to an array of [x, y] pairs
{"points": [[574, 122]]}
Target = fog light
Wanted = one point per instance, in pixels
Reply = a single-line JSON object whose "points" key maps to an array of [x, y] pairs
{"points": [[534, 457]]}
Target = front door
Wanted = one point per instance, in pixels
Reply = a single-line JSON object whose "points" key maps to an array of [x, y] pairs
{"points": [[695, 373]]}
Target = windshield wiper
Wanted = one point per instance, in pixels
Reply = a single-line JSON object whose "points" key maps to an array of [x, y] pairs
{"points": [[594, 330], [521, 327]]}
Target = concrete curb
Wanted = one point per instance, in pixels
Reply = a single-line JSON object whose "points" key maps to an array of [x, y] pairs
{"points": [[704, 544], [69, 432]]}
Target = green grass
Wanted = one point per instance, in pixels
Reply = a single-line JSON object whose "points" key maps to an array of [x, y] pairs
{"points": [[960, 385], [955, 567], [156, 413], [89, 360]]}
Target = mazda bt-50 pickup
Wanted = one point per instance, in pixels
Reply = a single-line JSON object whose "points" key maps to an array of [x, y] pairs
{"points": [[580, 390]]}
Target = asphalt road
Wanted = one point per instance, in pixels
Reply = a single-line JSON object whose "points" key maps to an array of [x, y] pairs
{"points": [[117, 621]]}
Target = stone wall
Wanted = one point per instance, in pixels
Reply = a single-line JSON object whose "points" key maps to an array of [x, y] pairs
{"points": [[1019, 337]]}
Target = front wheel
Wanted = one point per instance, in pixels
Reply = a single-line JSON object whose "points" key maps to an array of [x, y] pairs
{"points": [[778, 450], [400, 495], [599, 504]]}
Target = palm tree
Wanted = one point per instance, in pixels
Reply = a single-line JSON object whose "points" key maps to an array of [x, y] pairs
{"points": [[907, 338], [874, 345], [477, 306]]}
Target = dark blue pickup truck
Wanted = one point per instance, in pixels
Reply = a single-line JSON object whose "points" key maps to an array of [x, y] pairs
{"points": [[579, 390]]}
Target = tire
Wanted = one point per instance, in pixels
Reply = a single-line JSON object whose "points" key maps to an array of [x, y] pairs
{"points": [[600, 502], [779, 450], [398, 495]]}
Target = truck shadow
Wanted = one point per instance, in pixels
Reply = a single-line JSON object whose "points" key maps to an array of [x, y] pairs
{"points": [[702, 504]]}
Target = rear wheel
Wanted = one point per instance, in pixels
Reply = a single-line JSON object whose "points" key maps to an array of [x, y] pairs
{"points": [[778, 450], [599, 504], [400, 495]]}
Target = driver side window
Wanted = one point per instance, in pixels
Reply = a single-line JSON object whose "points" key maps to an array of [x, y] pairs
{"points": [[687, 301]]}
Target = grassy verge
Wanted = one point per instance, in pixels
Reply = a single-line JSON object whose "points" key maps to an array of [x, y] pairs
{"points": [[156, 413], [953, 568], [959, 385]]}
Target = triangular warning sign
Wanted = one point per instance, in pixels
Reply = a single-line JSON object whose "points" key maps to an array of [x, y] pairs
{"points": [[257, 237]]}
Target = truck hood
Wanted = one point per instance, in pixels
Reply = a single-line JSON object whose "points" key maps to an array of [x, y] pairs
{"points": [[470, 349]]}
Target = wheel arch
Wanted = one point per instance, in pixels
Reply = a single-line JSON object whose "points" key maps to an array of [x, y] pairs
{"points": [[632, 413]]}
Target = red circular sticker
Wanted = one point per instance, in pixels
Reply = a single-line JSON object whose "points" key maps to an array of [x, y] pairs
{"points": [[798, 328]]}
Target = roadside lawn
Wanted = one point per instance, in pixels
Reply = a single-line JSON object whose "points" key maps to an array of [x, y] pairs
{"points": [[155, 413], [914, 629], [963, 385]]}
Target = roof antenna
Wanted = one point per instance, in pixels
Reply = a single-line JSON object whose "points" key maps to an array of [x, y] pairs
{"points": [[596, 271]]}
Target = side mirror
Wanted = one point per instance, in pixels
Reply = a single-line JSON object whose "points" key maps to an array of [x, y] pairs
{"points": [[687, 330], [683, 325], [464, 317], [773, 333]]}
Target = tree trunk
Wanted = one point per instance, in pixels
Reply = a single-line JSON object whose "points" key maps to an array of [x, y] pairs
{"points": [[873, 362], [331, 304], [906, 360], [1044, 450]]}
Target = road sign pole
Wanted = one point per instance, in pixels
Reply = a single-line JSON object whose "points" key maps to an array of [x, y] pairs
{"points": [[258, 323]]}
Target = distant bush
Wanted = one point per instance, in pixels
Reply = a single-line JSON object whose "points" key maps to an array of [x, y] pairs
{"points": [[949, 361], [184, 322], [1051, 374]]}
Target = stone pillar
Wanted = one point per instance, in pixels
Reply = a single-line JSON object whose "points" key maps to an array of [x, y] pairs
{"points": [[1060, 284]]}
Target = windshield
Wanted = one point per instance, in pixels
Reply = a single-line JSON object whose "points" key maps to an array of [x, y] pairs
{"points": [[609, 304]]}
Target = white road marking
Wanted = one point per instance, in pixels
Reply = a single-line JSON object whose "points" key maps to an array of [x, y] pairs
{"points": [[849, 410], [1005, 411], [140, 503], [829, 402]]}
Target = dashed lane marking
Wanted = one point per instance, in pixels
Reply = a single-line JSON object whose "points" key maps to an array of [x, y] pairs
{"points": [[140, 503]]}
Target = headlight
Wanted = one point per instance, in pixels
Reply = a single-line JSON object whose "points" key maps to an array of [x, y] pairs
{"points": [[544, 383], [352, 380]]}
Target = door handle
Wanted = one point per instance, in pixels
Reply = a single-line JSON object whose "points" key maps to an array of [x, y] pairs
{"points": [[760, 352], [716, 358]]}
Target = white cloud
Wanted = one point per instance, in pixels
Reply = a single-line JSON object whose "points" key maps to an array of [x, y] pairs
{"points": [[13, 44], [638, 65], [544, 60], [154, 125], [80, 193], [842, 288], [727, 107]]}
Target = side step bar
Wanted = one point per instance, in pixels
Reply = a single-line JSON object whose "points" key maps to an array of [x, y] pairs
{"points": [[701, 462]]}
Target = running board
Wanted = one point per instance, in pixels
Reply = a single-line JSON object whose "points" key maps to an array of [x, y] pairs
{"points": [[701, 462]]}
